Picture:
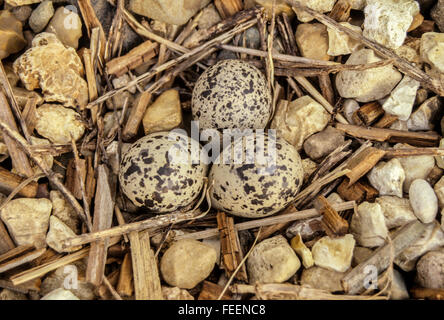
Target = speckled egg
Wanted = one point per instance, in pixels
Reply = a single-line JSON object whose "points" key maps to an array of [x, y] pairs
{"points": [[231, 94], [157, 172], [255, 189]]}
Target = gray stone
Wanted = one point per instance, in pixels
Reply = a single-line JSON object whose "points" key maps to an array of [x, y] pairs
{"points": [[423, 200], [398, 290], [430, 270], [322, 143], [350, 106], [368, 225], [41, 16], [437, 14], [323, 279], [397, 211]]}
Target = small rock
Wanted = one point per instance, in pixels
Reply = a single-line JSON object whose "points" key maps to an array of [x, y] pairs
{"points": [[430, 270], [22, 96], [423, 200], [48, 159], [399, 125], [421, 96], [299, 119], [11, 36], [308, 166], [58, 231], [387, 178], [398, 289], [7, 294], [280, 7], [366, 85], [415, 167], [41, 15], [397, 211], [340, 43], [65, 278], [309, 33], [27, 220], [334, 254], [252, 38], [53, 68], [334, 198], [10, 74], [187, 262], [168, 11], [439, 191], [440, 159], [60, 294], [387, 21], [437, 14], [272, 261], [350, 106], [401, 99], [175, 293], [361, 254], [323, 143], [431, 239], [62, 210], [22, 13], [67, 26], [302, 251], [422, 118], [309, 229], [410, 54], [323, 279], [317, 5], [358, 4], [209, 17], [164, 114], [432, 50], [119, 100], [110, 122], [58, 123], [368, 225], [215, 243], [122, 81]]}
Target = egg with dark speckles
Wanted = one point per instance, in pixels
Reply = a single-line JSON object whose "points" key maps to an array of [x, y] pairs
{"points": [[157, 172], [256, 188], [231, 94]]}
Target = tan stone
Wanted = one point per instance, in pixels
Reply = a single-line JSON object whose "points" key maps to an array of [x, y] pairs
{"points": [[308, 34], [168, 11], [302, 251], [308, 166], [11, 36], [187, 262], [366, 85], [62, 210], [297, 120], [60, 294], [22, 96], [432, 49], [387, 178], [439, 191], [360, 254], [340, 43], [58, 123], [323, 279], [67, 26], [280, 7], [7, 294], [422, 118], [27, 220], [439, 159], [16, 3], [397, 211], [58, 231], [175, 293], [368, 225], [47, 159], [209, 17], [55, 69], [272, 261], [164, 114], [334, 253], [317, 5]]}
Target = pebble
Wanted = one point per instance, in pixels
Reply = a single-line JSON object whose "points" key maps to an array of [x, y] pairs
{"points": [[7, 294], [309, 33], [187, 262], [423, 200], [53, 68], [397, 211], [57, 279], [168, 11], [422, 118], [361, 254], [209, 17], [308, 166], [11, 36], [67, 26], [368, 225], [366, 85], [252, 38], [401, 99], [415, 167], [334, 253], [22, 13], [58, 231], [387, 178], [387, 21], [358, 4], [48, 159], [439, 191], [302, 251], [175, 293], [323, 279], [317, 5], [23, 95], [164, 114], [340, 43], [280, 7], [323, 143], [437, 14], [410, 53], [299, 119], [350, 106], [272, 261], [440, 159], [60, 294], [398, 289], [430, 270], [334, 198], [58, 123], [27, 220], [431, 239], [432, 50], [41, 15], [399, 125], [64, 212]]}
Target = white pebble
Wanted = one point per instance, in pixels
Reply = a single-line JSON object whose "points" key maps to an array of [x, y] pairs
{"points": [[423, 200]]}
